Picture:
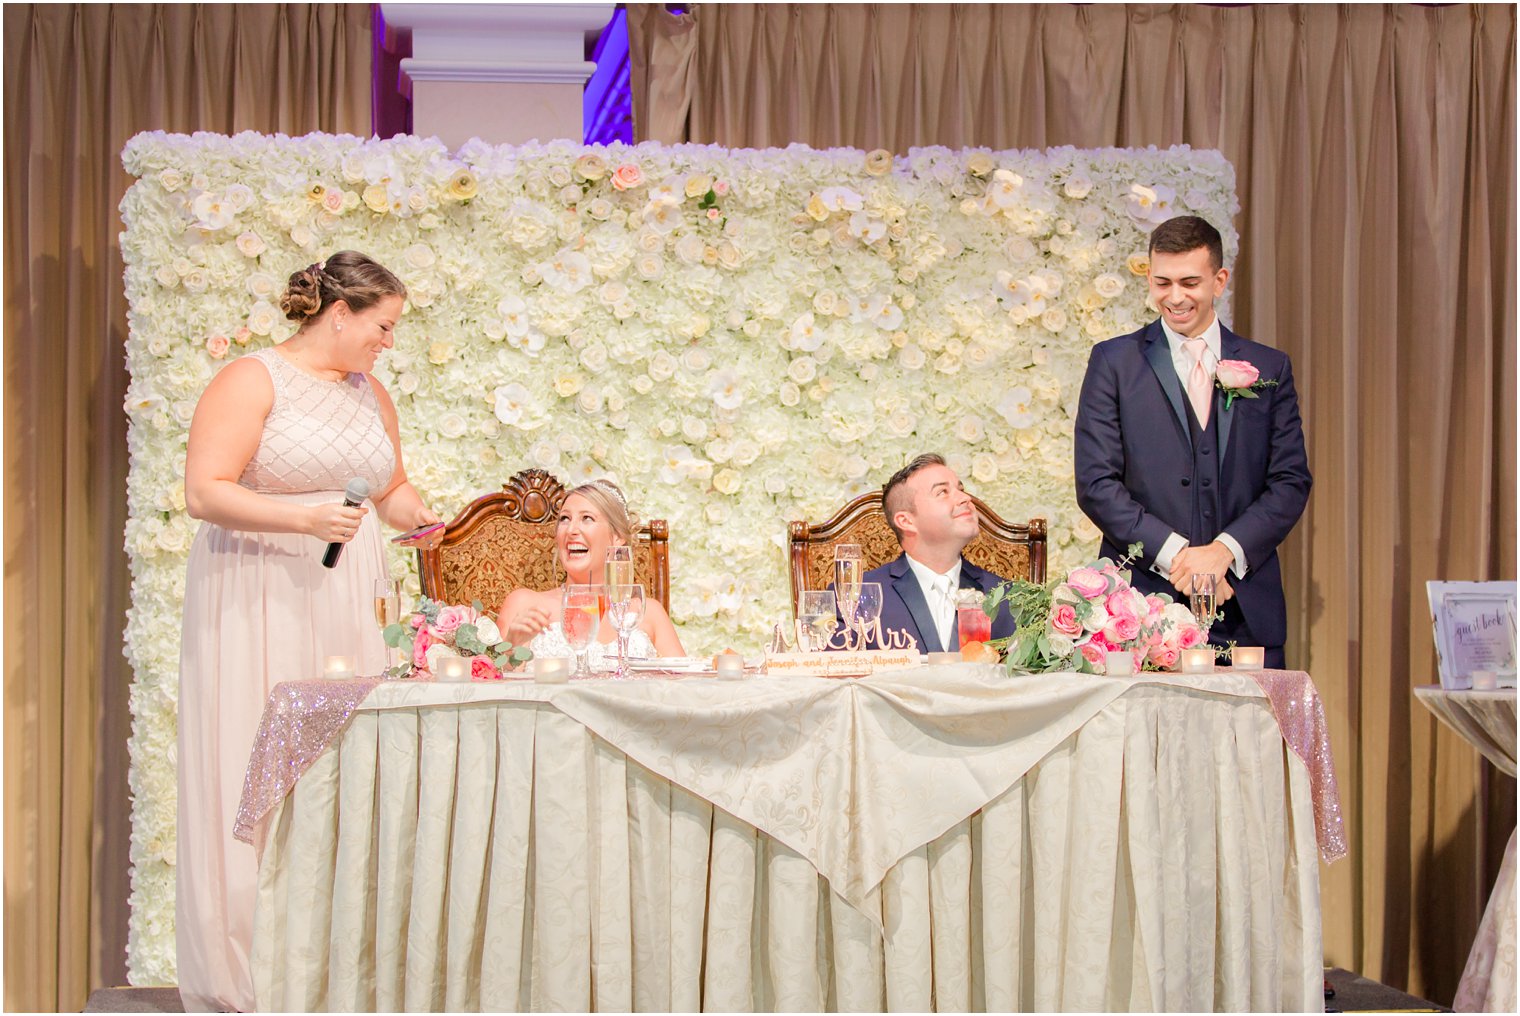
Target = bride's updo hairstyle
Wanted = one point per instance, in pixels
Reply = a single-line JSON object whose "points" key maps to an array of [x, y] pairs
{"points": [[357, 279], [609, 502]]}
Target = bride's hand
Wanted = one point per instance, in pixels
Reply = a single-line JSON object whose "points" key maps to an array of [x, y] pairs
{"points": [[525, 624]]}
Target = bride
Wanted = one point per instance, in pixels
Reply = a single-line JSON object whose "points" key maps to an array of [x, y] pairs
{"points": [[593, 517]]}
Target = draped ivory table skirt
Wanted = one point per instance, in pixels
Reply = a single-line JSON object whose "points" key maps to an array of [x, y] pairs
{"points": [[945, 838], [1486, 720]]}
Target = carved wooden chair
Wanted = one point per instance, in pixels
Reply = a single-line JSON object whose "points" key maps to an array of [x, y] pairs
{"points": [[1012, 550], [506, 539]]}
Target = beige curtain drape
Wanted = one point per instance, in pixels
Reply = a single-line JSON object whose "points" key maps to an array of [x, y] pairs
{"points": [[1375, 153], [79, 81]]}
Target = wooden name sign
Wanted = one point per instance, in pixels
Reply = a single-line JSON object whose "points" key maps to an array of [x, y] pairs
{"points": [[856, 664]]}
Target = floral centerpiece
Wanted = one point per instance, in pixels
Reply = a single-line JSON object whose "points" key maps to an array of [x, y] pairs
{"points": [[436, 630], [1071, 624]]}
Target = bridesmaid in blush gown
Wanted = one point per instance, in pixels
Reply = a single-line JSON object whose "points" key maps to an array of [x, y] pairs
{"points": [[275, 439]]}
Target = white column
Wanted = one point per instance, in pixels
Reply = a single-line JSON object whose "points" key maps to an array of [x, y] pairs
{"points": [[505, 73]]}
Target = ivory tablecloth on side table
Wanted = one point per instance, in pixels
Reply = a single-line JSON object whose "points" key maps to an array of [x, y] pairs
{"points": [[1486, 720], [942, 838]]}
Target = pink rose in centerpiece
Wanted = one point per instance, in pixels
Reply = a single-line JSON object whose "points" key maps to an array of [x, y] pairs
{"points": [[1121, 628], [482, 669], [1154, 605], [1063, 620], [1236, 373], [627, 176], [1092, 652], [450, 618], [420, 646], [1164, 656], [1088, 583], [1120, 603], [1189, 636]]}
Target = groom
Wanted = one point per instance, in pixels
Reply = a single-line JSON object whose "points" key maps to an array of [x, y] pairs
{"points": [[1207, 483], [933, 519]]}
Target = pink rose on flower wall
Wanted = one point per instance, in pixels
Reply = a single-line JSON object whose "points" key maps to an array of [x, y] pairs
{"points": [[627, 176], [450, 618], [216, 346], [1236, 374], [482, 669], [1063, 620], [1088, 583]]}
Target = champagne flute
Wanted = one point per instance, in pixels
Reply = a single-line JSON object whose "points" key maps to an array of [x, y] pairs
{"points": [[618, 571], [868, 604], [387, 608], [1203, 600], [582, 617], [818, 618], [625, 609], [849, 567]]}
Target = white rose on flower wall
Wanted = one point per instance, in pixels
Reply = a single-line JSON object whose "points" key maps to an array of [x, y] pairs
{"points": [[740, 337]]}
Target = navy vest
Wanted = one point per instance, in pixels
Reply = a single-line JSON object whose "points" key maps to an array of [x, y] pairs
{"points": [[1203, 485]]}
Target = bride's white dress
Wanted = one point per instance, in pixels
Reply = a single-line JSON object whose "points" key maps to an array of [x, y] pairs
{"points": [[600, 656]]}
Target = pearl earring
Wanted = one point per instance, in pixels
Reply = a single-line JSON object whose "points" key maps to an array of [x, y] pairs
{"points": [[338, 327]]}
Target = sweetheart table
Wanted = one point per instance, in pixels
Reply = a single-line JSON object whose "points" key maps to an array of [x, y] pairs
{"points": [[939, 838]]}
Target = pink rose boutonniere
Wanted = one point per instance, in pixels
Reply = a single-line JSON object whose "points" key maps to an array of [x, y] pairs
{"points": [[1239, 379]]}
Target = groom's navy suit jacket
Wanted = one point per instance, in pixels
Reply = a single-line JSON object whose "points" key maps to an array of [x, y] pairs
{"points": [[1145, 469], [903, 607]]}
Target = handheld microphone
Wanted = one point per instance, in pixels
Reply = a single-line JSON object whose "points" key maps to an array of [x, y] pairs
{"points": [[353, 496]]}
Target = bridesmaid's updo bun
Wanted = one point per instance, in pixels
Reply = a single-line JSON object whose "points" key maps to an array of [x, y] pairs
{"points": [[357, 279]]}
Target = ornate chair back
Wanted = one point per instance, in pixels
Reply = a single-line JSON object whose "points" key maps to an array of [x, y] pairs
{"points": [[1012, 550], [506, 539]]}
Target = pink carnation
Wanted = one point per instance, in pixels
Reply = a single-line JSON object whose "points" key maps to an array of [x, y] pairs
{"points": [[1063, 619], [1088, 583], [482, 669]]}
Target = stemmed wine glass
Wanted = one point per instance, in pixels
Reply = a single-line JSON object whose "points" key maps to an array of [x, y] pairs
{"points": [[868, 609], [849, 567], [1203, 601], [817, 619], [387, 609], [582, 617], [625, 609]]}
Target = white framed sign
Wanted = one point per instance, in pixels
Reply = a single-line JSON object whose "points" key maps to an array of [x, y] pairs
{"points": [[1474, 629]]}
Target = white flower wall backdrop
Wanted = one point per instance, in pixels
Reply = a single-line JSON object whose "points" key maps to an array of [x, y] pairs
{"points": [[739, 338]]}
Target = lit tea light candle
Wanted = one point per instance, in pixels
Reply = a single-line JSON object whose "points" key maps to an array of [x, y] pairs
{"points": [[1485, 680], [1119, 663], [339, 667], [454, 668], [1197, 661], [729, 666], [551, 669], [1247, 657]]}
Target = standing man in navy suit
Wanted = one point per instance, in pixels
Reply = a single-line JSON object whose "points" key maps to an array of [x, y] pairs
{"points": [[933, 519], [1205, 483]]}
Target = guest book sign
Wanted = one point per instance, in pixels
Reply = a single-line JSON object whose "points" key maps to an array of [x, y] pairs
{"points": [[856, 664], [1474, 629]]}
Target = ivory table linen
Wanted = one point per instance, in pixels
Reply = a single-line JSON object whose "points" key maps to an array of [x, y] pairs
{"points": [[936, 838], [1486, 720]]}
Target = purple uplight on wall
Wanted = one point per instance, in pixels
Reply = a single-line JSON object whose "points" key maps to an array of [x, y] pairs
{"points": [[609, 97]]}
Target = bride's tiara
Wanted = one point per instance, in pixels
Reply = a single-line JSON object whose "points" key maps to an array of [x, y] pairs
{"points": [[610, 488]]}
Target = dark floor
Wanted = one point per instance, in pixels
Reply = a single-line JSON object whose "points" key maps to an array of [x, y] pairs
{"points": [[1353, 993]]}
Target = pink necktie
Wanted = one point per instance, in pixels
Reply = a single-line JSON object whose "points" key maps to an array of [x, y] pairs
{"points": [[1200, 386]]}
